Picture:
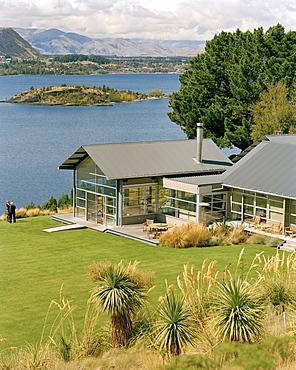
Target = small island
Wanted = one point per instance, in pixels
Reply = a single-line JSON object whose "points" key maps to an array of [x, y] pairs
{"points": [[81, 96]]}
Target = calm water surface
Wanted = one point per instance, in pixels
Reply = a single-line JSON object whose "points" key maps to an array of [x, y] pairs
{"points": [[36, 140]]}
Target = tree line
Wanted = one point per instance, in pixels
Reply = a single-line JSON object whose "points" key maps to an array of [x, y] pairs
{"points": [[81, 58], [237, 86]]}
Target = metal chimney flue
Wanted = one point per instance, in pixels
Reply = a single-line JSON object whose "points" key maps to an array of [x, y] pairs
{"points": [[199, 138]]}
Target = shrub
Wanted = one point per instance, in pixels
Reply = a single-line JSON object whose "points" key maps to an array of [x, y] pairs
{"points": [[64, 201], [218, 240], [21, 213], [33, 212], [220, 229], [120, 293], [237, 235], [244, 356], [97, 270], [283, 348], [69, 209], [51, 204], [192, 362], [196, 287], [262, 239], [30, 206], [187, 235], [174, 326]]}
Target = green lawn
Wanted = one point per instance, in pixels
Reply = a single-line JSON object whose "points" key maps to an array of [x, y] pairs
{"points": [[35, 264]]}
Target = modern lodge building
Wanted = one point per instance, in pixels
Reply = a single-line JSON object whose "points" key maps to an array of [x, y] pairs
{"points": [[184, 181]]}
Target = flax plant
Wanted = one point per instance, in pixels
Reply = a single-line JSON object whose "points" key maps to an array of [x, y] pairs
{"points": [[238, 309], [238, 312], [121, 293], [174, 327]]}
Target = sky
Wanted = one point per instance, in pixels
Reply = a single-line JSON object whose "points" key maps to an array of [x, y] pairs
{"points": [[149, 19]]}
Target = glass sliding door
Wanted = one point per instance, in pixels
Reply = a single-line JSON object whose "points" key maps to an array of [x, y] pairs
{"points": [[91, 207], [101, 210]]}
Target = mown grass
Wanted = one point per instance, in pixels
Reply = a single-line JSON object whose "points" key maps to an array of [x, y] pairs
{"points": [[35, 264]]}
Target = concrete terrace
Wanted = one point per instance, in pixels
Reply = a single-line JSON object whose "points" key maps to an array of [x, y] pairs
{"points": [[133, 231]]}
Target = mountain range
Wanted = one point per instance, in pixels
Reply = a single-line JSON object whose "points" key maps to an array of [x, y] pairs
{"points": [[12, 44], [57, 42]]}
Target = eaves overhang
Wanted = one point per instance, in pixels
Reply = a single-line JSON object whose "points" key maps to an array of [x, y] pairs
{"points": [[74, 160]]}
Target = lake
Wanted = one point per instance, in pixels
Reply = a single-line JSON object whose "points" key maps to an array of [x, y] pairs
{"points": [[35, 140]]}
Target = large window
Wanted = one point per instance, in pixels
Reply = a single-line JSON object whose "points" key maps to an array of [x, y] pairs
{"points": [[216, 208], [138, 200], [293, 212], [247, 204], [180, 204], [95, 194]]}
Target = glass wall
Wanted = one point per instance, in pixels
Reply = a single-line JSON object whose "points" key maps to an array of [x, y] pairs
{"points": [[246, 205], [139, 200], [95, 195], [182, 205], [216, 208], [177, 203]]}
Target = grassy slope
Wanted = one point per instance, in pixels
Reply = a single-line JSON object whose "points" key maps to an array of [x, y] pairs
{"points": [[34, 264]]}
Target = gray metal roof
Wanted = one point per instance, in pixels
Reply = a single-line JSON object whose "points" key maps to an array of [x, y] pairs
{"points": [[155, 158], [269, 168], [281, 138]]}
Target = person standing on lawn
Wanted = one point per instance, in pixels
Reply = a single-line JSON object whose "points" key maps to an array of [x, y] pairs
{"points": [[8, 216], [12, 212]]}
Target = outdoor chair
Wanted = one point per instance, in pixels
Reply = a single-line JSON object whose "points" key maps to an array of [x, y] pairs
{"points": [[273, 227], [290, 231], [277, 228], [146, 224], [255, 222]]}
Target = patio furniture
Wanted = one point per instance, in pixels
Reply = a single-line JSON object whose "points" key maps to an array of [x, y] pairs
{"points": [[290, 231], [156, 229], [271, 226], [255, 222], [147, 223]]}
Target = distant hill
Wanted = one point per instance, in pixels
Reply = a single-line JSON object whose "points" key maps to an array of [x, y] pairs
{"points": [[56, 42], [12, 44]]}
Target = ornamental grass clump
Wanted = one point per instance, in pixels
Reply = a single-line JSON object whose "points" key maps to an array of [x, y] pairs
{"points": [[263, 240], [197, 288], [237, 235], [185, 236], [227, 234], [277, 287]]}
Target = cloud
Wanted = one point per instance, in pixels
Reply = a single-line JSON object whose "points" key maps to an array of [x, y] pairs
{"points": [[152, 19]]}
